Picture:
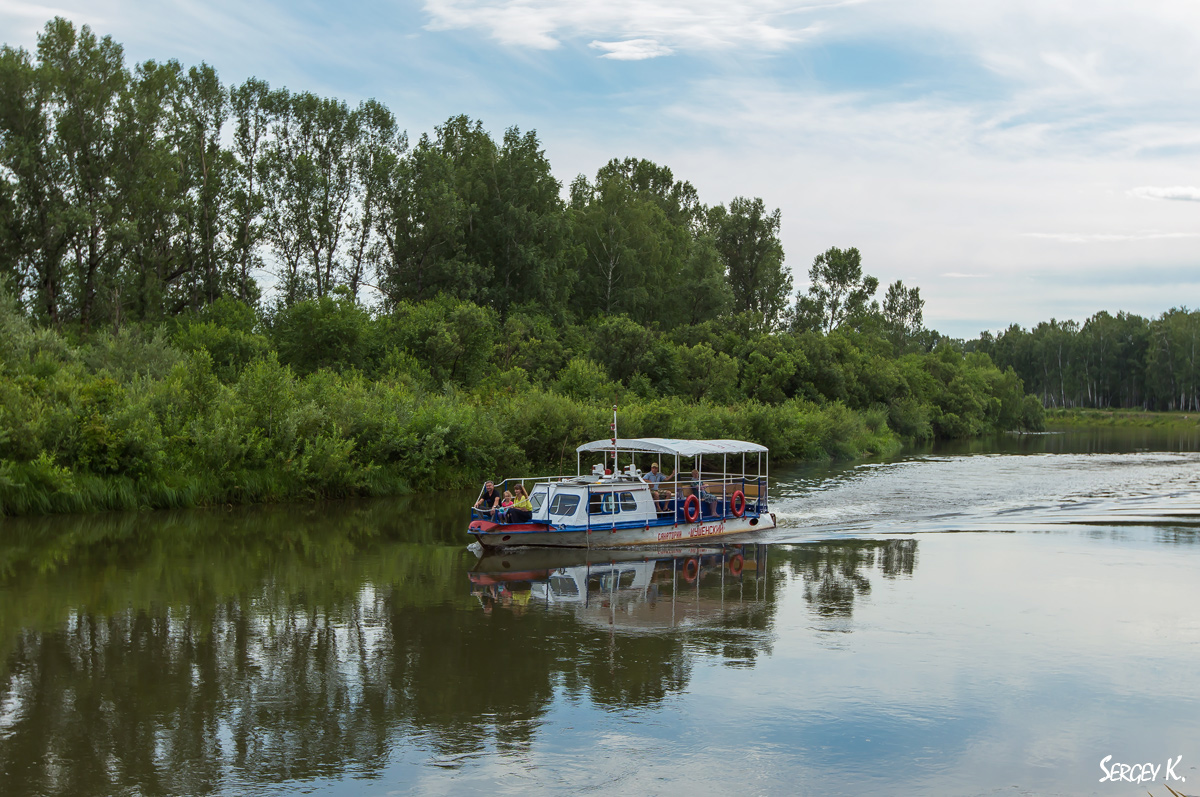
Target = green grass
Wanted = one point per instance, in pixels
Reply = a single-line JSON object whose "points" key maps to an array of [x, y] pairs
{"points": [[1131, 418]]}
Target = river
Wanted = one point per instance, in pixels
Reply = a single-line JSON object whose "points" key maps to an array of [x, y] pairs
{"points": [[1010, 616]]}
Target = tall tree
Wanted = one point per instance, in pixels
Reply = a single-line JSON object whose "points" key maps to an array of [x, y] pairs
{"points": [[151, 185], [421, 221], [837, 290], [309, 170], [251, 108], [86, 78], [644, 248], [200, 112], [37, 222], [1174, 360], [527, 234], [379, 147], [903, 314], [747, 237], [632, 251]]}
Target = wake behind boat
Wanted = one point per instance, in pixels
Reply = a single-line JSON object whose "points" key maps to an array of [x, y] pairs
{"points": [[610, 507]]}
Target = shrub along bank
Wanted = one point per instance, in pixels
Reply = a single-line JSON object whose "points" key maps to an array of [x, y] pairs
{"points": [[330, 401]]}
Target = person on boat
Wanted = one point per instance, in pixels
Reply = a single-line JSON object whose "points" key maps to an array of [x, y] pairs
{"points": [[704, 495], [654, 478], [521, 511], [505, 503], [489, 499]]}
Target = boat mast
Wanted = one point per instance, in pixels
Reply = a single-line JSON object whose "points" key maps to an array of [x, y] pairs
{"points": [[616, 469]]}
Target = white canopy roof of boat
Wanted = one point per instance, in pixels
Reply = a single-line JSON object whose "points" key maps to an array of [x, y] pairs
{"points": [[666, 445]]}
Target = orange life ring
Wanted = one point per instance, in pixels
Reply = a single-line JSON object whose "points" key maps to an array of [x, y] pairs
{"points": [[735, 565], [738, 503], [691, 569], [691, 509]]}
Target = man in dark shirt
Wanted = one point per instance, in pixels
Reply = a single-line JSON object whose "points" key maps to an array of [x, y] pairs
{"points": [[489, 499]]}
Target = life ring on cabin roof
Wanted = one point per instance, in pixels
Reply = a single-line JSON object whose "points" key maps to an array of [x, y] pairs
{"points": [[691, 509], [737, 502], [735, 564], [691, 569]]}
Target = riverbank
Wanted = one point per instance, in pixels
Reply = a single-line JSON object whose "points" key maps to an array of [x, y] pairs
{"points": [[382, 439], [1075, 418], [215, 412]]}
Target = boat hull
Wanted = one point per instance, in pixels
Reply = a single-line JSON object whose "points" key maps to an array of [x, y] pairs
{"points": [[492, 535]]}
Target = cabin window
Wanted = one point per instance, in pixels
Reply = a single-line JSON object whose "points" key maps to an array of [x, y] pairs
{"points": [[536, 500], [602, 504], [564, 504], [612, 580], [563, 586], [628, 502]]}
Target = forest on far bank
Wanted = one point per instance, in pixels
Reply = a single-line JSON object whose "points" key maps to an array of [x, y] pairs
{"points": [[1121, 361], [142, 365], [440, 310]]}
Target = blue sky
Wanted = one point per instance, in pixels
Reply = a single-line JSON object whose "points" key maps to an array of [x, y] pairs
{"points": [[1018, 159]]}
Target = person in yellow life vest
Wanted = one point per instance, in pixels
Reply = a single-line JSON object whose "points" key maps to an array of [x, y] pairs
{"points": [[521, 511]]}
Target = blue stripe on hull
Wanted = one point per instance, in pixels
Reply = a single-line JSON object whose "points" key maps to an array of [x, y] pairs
{"points": [[624, 534]]}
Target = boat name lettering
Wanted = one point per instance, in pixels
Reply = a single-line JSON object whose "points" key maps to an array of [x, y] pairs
{"points": [[708, 530], [674, 534]]}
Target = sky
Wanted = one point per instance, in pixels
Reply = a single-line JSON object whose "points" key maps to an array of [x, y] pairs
{"points": [[1018, 160]]}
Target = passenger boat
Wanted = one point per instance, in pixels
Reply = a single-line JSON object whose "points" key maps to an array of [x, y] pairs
{"points": [[612, 505]]}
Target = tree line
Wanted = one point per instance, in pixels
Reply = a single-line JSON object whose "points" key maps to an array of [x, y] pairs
{"points": [[139, 195], [1118, 361], [439, 311]]}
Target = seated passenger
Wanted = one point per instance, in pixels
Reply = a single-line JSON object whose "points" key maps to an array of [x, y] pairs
{"points": [[489, 500], [505, 503], [522, 510], [704, 495], [654, 478]]}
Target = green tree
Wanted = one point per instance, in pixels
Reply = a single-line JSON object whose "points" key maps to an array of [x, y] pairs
{"points": [[330, 332], [636, 229], [747, 238], [37, 220], [309, 190], [251, 108], [1173, 360], [85, 78], [200, 111], [837, 292], [903, 314], [421, 224], [379, 147], [514, 231]]}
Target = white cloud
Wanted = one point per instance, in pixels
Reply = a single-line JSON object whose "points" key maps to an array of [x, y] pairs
{"points": [[698, 25], [631, 49], [1184, 193], [1107, 237]]}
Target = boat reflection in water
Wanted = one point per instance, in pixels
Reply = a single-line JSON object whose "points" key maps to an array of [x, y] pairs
{"points": [[628, 590]]}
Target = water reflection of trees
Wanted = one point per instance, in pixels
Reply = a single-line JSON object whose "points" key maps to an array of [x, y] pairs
{"points": [[173, 653], [836, 573]]}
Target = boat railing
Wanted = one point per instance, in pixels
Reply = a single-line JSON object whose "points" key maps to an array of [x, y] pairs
{"points": [[714, 489], [508, 484], [716, 494]]}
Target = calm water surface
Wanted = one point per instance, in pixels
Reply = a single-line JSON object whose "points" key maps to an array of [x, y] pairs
{"points": [[993, 618]]}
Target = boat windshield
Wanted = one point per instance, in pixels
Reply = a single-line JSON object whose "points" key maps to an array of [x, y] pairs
{"points": [[564, 504]]}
